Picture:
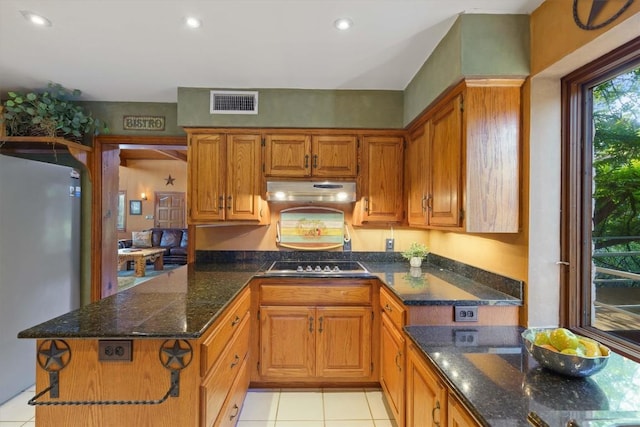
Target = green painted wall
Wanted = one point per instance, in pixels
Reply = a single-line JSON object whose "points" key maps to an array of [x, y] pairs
{"points": [[112, 113], [476, 46], [495, 45], [442, 69], [299, 108]]}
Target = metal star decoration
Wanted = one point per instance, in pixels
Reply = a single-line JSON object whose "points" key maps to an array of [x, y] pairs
{"points": [[53, 356], [596, 8], [176, 355], [169, 180]]}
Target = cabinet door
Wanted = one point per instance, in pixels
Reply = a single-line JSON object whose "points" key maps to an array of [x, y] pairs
{"points": [[382, 179], [287, 156], [445, 138], [206, 172], [417, 176], [392, 360], [243, 177], [458, 414], [426, 396], [334, 156], [287, 342], [344, 342]]}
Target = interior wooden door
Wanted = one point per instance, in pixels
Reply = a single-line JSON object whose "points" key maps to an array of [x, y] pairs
{"points": [[170, 208]]}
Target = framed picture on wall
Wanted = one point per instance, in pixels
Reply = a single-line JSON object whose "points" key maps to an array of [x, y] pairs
{"points": [[135, 207]]}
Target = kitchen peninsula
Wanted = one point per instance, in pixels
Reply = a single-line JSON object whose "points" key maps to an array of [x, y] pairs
{"points": [[189, 333]]}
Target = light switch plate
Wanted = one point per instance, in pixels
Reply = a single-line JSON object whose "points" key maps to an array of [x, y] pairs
{"points": [[389, 245]]}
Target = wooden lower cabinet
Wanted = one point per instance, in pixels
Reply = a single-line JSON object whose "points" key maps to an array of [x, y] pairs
{"points": [[315, 331], [458, 416], [392, 368], [393, 354], [306, 343], [212, 385], [426, 394]]}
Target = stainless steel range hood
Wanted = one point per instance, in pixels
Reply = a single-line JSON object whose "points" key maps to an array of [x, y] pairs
{"points": [[311, 191]]}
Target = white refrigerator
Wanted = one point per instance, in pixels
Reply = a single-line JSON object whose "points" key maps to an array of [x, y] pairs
{"points": [[39, 259]]}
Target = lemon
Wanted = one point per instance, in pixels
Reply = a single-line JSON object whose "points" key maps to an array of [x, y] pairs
{"points": [[563, 339], [572, 351], [590, 347], [541, 338]]}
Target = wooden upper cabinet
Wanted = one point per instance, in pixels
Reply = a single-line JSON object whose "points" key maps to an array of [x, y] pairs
{"points": [[224, 178], [416, 176], [445, 180], [463, 160], [302, 155], [206, 172], [243, 177], [334, 156], [381, 181], [287, 155]]}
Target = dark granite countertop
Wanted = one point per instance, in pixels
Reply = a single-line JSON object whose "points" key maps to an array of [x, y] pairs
{"points": [[492, 373], [180, 304], [187, 300], [434, 285]]}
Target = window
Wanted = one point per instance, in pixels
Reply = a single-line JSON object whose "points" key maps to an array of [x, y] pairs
{"points": [[122, 215], [601, 199]]}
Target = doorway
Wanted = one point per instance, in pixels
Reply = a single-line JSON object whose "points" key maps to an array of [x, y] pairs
{"points": [[110, 151]]}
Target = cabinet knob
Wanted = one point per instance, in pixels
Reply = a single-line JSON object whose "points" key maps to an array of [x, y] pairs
{"points": [[230, 198], [315, 161], [235, 321], [236, 360], [310, 324], [320, 327], [220, 202], [306, 161], [388, 307]]}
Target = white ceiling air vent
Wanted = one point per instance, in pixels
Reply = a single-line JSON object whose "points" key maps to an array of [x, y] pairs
{"points": [[234, 102]]}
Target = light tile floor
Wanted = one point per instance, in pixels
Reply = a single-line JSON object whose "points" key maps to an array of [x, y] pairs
{"points": [[16, 413], [315, 408], [268, 408]]}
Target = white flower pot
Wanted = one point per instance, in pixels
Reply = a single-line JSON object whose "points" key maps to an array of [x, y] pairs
{"points": [[415, 261]]}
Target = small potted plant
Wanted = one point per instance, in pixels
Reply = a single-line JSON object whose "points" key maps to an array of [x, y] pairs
{"points": [[415, 254]]}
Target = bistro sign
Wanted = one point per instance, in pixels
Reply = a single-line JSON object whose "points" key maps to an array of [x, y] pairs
{"points": [[143, 122]]}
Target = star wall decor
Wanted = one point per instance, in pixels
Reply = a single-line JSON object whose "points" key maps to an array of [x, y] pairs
{"points": [[596, 8], [55, 357], [169, 180], [174, 356]]}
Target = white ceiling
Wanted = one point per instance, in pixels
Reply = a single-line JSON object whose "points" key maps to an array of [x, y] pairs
{"points": [[141, 50]]}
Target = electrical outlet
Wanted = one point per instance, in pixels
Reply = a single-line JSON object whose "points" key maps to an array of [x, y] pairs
{"points": [[389, 245], [115, 350], [468, 313], [465, 338], [347, 246]]}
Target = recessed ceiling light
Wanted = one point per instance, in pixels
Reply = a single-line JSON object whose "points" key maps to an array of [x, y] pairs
{"points": [[36, 19], [343, 24], [192, 22]]}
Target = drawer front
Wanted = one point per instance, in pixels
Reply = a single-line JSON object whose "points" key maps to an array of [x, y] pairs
{"points": [[232, 407], [218, 340], [275, 294], [215, 387], [392, 308]]}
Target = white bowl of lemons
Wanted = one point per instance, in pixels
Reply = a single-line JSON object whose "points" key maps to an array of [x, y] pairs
{"points": [[566, 353]]}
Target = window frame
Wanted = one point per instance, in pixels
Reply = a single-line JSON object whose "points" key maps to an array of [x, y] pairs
{"points": [[576, 196]]}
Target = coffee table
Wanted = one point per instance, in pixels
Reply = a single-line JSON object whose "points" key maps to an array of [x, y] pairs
{"points": [[140, 257]]}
